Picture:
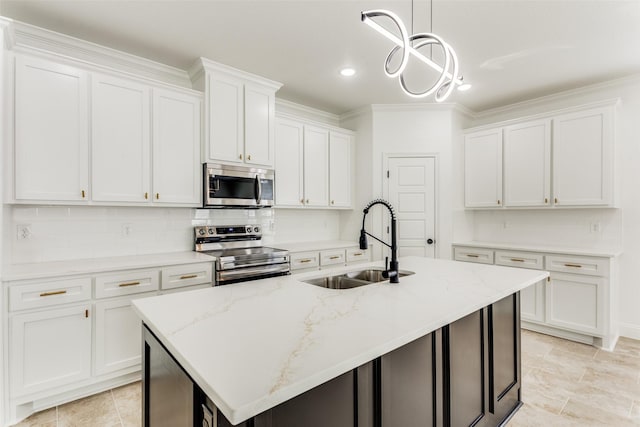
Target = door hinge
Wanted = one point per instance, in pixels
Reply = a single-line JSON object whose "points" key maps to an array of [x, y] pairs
{"points": [[387, 174]]}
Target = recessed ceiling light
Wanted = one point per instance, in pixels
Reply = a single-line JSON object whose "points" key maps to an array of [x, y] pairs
{"points": [[348, 72]]}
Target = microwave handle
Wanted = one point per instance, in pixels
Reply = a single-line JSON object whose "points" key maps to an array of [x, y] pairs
{"points": [[258, 188]]}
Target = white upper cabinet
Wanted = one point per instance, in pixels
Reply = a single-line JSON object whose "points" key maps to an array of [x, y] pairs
{"points": [[120, 140], [583, 158], [51, 132], [316, 166], [339, 170], [241, 115], [176, 148], [527, 164], [289, 178], [226, 118], [483, 169]]}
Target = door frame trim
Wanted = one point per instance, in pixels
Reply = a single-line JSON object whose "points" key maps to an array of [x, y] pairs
{"points": [[436, 190]]}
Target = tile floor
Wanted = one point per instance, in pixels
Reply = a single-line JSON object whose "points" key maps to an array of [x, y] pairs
{"points": [[564, 384]]}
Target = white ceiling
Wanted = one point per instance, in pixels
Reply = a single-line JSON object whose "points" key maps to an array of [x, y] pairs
{"points": [[511, 50]]}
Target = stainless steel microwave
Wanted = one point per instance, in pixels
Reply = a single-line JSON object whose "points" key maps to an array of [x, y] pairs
{"points": [[237, 186]]}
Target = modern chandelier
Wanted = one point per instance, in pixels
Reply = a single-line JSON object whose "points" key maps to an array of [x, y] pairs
{"points": [[410, 45]]}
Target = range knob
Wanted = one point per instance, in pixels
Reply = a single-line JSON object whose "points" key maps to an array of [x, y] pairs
{"points": [[248, 229], [256, 229], [201, 232], [211, 231]]}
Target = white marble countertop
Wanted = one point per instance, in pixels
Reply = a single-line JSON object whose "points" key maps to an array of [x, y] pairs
{"points": [[253, 345], [600, 252], [98, 265], [314, 246]]}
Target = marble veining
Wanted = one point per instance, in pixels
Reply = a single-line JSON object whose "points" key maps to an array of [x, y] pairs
{"points": [[253, 345]]}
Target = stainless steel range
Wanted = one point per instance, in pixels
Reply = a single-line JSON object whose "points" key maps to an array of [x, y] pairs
{"points": [[239, 253]]}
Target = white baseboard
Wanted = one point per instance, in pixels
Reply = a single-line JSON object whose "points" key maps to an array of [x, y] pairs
{"points": [[630, 331]]}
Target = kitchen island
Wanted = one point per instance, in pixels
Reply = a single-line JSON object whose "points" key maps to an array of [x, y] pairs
{"points": [[442, 347]]}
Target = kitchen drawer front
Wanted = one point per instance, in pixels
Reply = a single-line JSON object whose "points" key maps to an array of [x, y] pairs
{"points": [[520, 259], [357, 255], [127, 283], [332, 257], [51, 292], [578, 265], [304, 260], [187, 275], [479, 255]]}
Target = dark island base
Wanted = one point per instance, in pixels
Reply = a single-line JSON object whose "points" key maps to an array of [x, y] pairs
{"points": [[465, 374]]}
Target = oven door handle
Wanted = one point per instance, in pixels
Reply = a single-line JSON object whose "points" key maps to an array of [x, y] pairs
{"points": [[251, 272], [258, 189]]}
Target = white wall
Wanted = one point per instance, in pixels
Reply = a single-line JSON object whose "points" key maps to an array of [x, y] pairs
{"points": [[619, 227]]}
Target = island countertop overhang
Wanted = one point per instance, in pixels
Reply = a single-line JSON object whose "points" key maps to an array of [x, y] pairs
{"points": [[254, 345]]}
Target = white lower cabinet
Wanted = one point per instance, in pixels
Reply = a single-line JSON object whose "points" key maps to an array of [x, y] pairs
{"points": [[575, 302], [302, 262], [50, 348]]}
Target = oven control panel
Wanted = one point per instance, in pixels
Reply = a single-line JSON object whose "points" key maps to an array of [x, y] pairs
{"points": [[250, 230]]}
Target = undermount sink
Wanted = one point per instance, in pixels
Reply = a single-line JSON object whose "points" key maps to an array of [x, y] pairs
{"points": [[353, 279]]}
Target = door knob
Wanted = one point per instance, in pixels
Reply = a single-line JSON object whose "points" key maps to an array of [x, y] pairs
{"points": [[430, 241]]}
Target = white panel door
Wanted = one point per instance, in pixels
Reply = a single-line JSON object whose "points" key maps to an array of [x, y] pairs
{"points": [[483, 169], [49, 349], [176, 148], [226, 119], [583, 158], [316, 166], [527, 164], [411, 190], [259, 114], [289, 163], [51, 132], [575, 302], [118, 335], [120, 140], [339, 170]]}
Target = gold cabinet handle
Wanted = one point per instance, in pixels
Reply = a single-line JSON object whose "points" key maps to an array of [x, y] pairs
{"points": [[332, 202], [83, 194], [86, 314], [157, 196], [302, 201], [548, 278], [48, 294], [122, 285], [473, 256], [334, 257], [546, 200], [573, 265], [240, 156], [358, 254], [188, 276], [517, 260], [555, 200], [305, 260], [307, 201], [146, 196], [498, 201], [248, 156]]}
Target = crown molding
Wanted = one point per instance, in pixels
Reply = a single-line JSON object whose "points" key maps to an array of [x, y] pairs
{"points": [[31, 39], [204, 64], [285, 107]]}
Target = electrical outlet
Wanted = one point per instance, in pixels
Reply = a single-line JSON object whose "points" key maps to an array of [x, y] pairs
{"points": [[595, 227], [127, 229], [23, 231]]}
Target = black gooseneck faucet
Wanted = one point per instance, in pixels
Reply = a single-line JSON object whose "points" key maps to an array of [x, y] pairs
{"points": [[390, 272]]}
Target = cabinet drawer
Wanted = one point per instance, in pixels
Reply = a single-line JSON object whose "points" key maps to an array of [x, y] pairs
{"points": [[187, 275], [45, 294], [357, 255], [520, 259], [126, 283], [304, 260], [483, 256], [332, 257], [579, 265]]}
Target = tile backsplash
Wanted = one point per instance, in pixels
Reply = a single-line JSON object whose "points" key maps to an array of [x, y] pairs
{"points": [[57, 233]]}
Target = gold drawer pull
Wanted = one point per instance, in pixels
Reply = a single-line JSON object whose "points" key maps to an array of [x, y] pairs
{"points": [[188, 276], [305, 260], [358, 254], [248, 156], [573, 265], [122, 285], [83, 194], [473, 256], [146, 196], [334, 257], [48, 294], [157, 196], [517, 260]]}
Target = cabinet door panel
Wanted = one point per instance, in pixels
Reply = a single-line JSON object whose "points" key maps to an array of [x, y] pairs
{"points": [[120, 140], [51, 132], [527, 164], [259, 115], [583, 158], [575, 302], [504, 358], [316, 166], [176, 148], [49, 349], [226, 124], [339, 170], [289, 163], [483, 169], [532, 302]]}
